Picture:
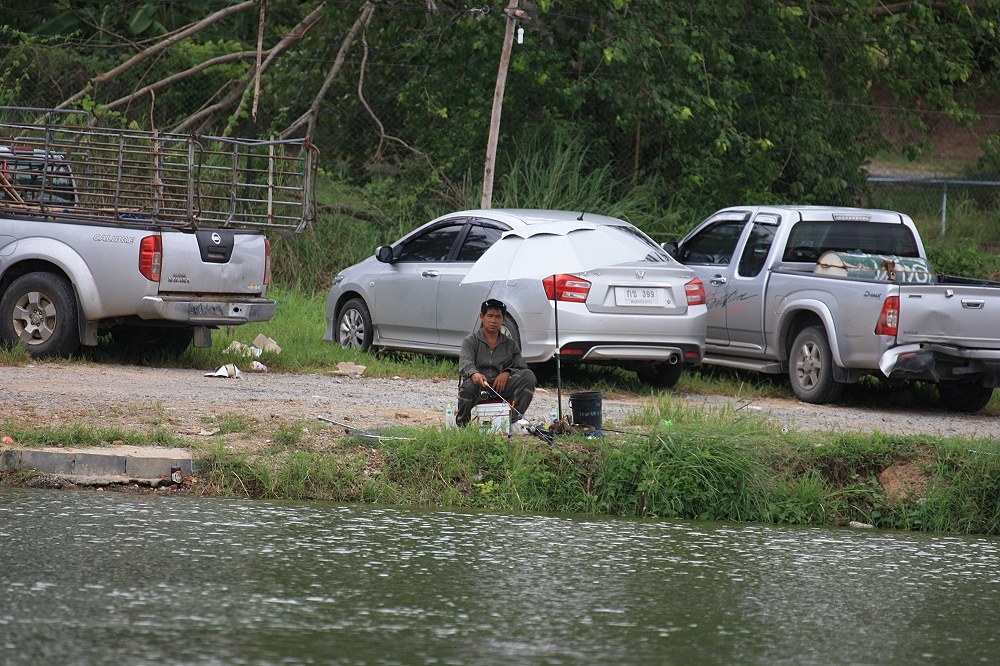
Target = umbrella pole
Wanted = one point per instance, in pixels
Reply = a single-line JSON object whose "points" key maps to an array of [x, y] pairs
{"points": [[555, 304]]}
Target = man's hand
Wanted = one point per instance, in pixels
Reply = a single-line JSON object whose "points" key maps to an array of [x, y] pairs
{"points": [[479, 379], [501, 381]]}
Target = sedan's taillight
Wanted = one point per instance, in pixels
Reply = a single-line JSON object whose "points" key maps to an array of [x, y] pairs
{"points": [[695, 292], [888, 319], [150, 258], [565, 287]]}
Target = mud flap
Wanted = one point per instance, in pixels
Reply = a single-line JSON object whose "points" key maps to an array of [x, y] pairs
{"points": [[202, 337]]}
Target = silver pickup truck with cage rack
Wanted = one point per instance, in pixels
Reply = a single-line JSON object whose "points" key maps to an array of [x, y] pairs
{"points": [[153, 237]]}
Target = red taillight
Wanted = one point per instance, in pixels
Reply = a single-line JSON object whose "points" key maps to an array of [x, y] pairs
{"points": [[565, 287], [695, 292], [150, 258], [267, 262], [888, 319]]}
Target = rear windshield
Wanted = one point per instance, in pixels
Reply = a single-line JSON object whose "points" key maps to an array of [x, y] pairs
{"points": [[809, 240], [22, 180]]}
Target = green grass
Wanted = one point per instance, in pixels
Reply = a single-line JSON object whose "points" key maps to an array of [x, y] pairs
{"points": [[79, 435], [668, 460]]}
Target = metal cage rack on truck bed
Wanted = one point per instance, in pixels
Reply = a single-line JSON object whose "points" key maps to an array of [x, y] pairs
{"points": [[54, 165]]}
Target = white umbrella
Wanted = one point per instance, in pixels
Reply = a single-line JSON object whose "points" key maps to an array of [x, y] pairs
{"points": [[551, 248]]}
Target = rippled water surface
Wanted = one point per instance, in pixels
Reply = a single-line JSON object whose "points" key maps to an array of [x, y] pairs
{"points": [[90, 578]]}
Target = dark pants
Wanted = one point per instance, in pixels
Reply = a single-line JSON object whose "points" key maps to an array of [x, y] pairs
{"points": [[519, 391]]}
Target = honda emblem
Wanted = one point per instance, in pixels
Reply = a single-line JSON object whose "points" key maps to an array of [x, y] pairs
{"points": [[640, 275]]}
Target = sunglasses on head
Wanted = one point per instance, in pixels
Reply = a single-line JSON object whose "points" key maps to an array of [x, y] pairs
{"points": [[492, 303]]}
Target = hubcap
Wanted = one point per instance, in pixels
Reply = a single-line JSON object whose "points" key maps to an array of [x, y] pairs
{"points": [[809, 365], [34, 318], [352, 329]]}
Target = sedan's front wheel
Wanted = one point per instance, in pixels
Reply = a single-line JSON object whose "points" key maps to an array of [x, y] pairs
{"points": [[354, 326]]}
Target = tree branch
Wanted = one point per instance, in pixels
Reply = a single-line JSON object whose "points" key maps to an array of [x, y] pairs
{"points": [[180, 76], [310, 116], [383, 136], [239, 91], [156, 48], [881, 11]]}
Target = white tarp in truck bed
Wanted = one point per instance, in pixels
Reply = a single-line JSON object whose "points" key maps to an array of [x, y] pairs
{"points": [[157, 177]]}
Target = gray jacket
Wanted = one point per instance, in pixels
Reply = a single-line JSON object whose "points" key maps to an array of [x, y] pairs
{"points": [[476, 356]]}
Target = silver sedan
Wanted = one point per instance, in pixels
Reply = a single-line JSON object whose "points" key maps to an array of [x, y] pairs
{"points": [[647, 314]]}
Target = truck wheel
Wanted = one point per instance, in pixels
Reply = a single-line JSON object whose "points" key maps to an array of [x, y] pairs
{"points": [[964, 396], [39, 309], [810, 368], [660, 375], [149, 340], [354, 326]]}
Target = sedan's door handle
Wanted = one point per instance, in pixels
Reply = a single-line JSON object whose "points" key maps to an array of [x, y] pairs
{"points": [[718, 279], [429, 274]]}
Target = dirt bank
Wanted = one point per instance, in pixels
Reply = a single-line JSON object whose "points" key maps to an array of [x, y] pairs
{"points": [[189, 404]]}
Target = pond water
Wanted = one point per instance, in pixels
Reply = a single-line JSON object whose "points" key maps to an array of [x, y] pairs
{"points": [[98, 577]]}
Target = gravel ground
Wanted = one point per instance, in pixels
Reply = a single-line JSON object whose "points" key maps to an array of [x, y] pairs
{"points": [[188, 403]]}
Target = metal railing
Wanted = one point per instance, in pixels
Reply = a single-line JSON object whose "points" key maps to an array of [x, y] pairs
{"points": [[52, 164]]}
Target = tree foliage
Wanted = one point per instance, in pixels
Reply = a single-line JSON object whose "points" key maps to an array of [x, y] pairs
{"points": [[703, 103]]}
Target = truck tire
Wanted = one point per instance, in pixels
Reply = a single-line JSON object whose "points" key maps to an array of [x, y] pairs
{"points": [[354, 326], [660, 375], [810, 368], [40, 310], [964, 396], [152, 340]]}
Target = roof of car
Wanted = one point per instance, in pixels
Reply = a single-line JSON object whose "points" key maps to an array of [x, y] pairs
{"points": [[527, 216]]}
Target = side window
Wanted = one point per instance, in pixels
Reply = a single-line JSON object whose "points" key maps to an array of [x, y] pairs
{"points": [[435, 245], [714, 245], [757, 249], [478, 241]]}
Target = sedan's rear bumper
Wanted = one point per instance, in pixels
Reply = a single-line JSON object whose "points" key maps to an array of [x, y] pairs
{"points": [[689, 354]]}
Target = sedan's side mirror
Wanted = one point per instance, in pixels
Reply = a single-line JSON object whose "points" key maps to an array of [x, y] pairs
{"points": [[384, 254], [671, 247]]}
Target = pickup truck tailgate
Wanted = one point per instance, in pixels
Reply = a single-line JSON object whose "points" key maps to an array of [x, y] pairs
{"points": [[218, 261], [957, 315]]}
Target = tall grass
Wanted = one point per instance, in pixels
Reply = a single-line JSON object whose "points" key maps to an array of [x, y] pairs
{"points": [[673, 461]]}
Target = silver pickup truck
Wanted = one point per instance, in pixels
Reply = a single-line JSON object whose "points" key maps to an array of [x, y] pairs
{"points": [[153, 238], [829, 295]]}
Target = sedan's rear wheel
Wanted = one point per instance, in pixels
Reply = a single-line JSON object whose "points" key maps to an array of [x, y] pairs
{"points": [[660, 375], [354, 326]]}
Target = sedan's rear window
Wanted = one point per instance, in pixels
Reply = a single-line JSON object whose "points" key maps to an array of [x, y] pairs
{"points": [[478, 241]]}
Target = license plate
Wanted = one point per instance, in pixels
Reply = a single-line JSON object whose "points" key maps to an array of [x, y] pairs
{"points": [[640, 296]]}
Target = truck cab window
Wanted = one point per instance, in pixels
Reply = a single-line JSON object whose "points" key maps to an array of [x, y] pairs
{"points": [[758, 246], [714, 245]]}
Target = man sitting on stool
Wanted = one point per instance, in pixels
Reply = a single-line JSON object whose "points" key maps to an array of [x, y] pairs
{"points": [[489, 357]]}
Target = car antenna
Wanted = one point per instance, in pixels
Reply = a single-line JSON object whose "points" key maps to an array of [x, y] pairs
{"points": [[580, 219]]}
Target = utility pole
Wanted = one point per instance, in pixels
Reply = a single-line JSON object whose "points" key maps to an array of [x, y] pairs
{"points": [[491, 142]]}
